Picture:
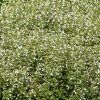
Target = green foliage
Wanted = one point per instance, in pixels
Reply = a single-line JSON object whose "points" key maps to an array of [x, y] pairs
{"points": [[49, 50]]}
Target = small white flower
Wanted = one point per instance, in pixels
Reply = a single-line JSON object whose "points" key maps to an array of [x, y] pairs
{"points": [[0, 54], [16, 72], [99, 67]]}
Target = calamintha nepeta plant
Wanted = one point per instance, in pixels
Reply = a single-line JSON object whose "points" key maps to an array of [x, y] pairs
{"points": [[50, 50]]}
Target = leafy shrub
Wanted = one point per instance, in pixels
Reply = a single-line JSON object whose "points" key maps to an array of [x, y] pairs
{"points": [[50, 50]]}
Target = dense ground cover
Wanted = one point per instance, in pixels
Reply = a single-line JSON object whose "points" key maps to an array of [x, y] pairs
{"points": [[49, 50]]}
